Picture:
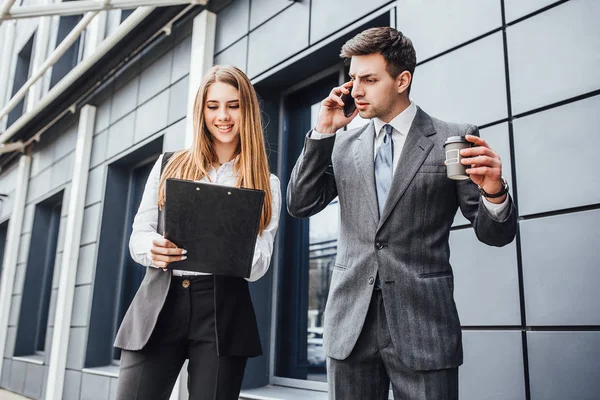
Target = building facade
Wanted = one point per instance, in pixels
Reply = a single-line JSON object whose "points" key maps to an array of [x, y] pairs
{"points": [[524, 71]]}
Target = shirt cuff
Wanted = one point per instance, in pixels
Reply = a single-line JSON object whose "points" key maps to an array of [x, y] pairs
{"points": [[499, 212], [317, 135]]}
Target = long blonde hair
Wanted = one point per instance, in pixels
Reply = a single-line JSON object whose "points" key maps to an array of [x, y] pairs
{"points": [[252, 167]]}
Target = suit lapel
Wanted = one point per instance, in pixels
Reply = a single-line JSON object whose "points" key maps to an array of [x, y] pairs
{"points": [[363, 159], [416, 148]]}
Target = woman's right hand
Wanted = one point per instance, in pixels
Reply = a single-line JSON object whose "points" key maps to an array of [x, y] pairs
{"points": [[163, 252]]}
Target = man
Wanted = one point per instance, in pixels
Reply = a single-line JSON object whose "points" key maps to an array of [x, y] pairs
{"points": [[390, 315]]}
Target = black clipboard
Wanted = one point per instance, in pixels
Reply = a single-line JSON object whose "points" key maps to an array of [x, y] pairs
{"points": [[217, 225]]}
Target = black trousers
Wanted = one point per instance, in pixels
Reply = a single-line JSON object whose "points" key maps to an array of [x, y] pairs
{"points": [[374, 363], [185, 330]]}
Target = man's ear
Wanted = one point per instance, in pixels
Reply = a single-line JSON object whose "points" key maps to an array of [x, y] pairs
{"points": [[403, 81]]}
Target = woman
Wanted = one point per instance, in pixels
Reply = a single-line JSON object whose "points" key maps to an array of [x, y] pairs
{"points": [[179, 315]]}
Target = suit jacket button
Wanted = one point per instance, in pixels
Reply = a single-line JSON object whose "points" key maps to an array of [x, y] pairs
{"points": [[371, 280], [379, 246]]}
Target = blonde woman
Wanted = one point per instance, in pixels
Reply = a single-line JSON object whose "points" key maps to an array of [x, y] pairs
{"points": [[178, 315]]}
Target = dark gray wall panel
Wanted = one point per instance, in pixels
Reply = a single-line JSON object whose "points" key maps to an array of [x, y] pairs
{"points": [[178, 98], [62, 171], [151, 117], [102, 116], [455, 23], [95, 187], [493, 366], [39, 185], [17, 376], [564, 365], [91, 220], [181, 59], [76, 351], [124, 100], [467, 85], [554, 55], [112, 394], [278, 39], [120, 135], [20, 276], [86, 264], [560, 269], [486, 283], [329, 16], [15, 309], [34, 381], [81, 309], [11, 337], [236, 54], [232, 23], [65, 142], [99, 149], [95, 387], [173, 138], [72, 385], [262, 10], [155, 78], [519, 8], [6, 368], [24, 244], [57, 268], [558, 149]]}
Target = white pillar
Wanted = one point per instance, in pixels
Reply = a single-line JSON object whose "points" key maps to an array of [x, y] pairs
{"points": [[68, 270], [6, 52], [202, 55], [11, 251]]}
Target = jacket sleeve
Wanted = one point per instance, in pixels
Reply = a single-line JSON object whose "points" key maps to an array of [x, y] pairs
{"points": [[488, 228], [312, 184]]}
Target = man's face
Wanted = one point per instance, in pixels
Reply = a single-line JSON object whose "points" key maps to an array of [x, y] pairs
{"points": [[374, 90]]}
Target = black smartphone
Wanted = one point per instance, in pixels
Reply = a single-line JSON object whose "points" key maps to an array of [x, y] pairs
{"points": [[349, 105]]}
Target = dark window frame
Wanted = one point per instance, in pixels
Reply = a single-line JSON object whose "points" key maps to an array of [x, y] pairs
{"points": [[22, 72], [110, 294], [34, 315]]}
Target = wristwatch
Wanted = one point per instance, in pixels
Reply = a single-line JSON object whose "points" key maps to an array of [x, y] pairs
{"points": [[502, 192]]}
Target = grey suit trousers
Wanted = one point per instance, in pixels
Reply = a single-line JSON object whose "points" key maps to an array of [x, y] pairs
{"points": [[374, 363]]}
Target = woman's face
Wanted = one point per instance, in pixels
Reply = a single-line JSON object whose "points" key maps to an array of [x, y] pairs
{"points": [[222, 113]]}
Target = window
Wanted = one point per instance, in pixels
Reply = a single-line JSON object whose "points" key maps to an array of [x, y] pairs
{"points": [[310, 247], [3, 237], [73, 55], [37, 289], [22, 71], [126, 13], [118, 277]]}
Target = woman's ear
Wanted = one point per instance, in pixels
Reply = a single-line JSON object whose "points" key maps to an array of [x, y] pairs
{"points": [[403, 81]]}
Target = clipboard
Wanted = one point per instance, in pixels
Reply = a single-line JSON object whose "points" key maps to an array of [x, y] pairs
{"points": [[217, 225]]}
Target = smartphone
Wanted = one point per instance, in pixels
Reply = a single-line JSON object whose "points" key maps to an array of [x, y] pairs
{"points": [[349, 105]]}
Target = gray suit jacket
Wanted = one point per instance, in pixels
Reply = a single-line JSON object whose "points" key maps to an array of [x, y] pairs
{"points": [[408, 245]]}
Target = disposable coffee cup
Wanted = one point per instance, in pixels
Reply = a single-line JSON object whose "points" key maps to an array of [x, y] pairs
{"points": [[454, 169]]}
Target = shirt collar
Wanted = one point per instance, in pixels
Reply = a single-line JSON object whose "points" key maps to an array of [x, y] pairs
{"points": [[401, 122]]}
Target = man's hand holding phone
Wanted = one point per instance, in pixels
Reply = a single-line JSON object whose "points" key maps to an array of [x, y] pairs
{"points": [[337, 109]]}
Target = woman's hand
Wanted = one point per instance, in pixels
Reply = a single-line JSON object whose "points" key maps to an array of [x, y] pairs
{"points": [[163, 252]]}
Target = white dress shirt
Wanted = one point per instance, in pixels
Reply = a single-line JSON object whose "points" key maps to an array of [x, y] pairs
{"points": [[401, 124], [146, 220]]}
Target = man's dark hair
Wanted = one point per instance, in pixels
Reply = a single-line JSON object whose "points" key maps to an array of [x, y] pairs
{"points": [[396, 49]]}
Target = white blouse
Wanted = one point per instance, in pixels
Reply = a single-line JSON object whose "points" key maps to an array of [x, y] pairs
{"points": [[146, 221]]}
